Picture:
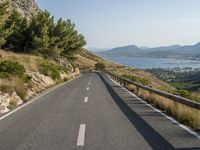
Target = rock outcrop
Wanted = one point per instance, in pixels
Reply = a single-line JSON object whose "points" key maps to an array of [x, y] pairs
{"points": [[40, 83], [8, 101], [26, 7]]}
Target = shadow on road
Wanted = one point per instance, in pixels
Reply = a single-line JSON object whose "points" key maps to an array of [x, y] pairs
{"points": [[155, 140]]}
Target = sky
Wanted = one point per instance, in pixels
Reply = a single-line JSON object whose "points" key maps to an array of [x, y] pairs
{"points": [[146, 23]]}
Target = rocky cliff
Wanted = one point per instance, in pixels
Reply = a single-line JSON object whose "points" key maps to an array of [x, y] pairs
{"points": [[27, 7]]}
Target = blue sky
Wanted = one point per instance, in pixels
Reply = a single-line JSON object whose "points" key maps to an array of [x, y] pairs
{"points": [[112, 23]]}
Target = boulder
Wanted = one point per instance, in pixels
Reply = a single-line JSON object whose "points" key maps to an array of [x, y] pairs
{"points": [[15, 97], [6, 100], [29, 94], [40, 81]]}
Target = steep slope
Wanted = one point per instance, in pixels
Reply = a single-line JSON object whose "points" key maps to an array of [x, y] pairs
{"points": [[23, 76], [87, 60], [26, 7]]}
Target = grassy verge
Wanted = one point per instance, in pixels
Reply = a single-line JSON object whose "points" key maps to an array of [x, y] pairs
{"points": [[185, 114]]}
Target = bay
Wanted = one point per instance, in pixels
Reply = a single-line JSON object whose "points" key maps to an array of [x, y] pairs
{"points": [[147, 63]]}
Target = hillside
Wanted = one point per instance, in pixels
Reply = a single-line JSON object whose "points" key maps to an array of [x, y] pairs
{"points": [[174, 51], [22, 76], [87, 60], [27, 8], [32, 61]]}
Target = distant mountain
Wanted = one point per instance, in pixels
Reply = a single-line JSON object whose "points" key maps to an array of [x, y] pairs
{"points": [[94, 49], [185, 52], [173, 51], [130, 50]]}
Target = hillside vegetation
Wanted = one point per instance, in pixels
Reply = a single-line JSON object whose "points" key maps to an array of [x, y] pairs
{"points": [[87, 60], [43, 37], [186, 82], [35, 53]]}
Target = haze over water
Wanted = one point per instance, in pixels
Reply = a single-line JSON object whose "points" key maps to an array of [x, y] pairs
{"points": [[146, 63]]}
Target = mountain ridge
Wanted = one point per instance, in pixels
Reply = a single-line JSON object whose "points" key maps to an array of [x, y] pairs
{"points": [[172, 51]]}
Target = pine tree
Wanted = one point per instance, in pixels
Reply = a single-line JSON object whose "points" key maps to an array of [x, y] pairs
{"points": [[16, 41], [3, 12], [75, 40], [4, 33], [58, 37], [41, 34], [40, 31]]}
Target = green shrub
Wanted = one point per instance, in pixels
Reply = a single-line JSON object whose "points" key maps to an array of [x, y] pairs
{"points": [[27, 78], [186, 94], [137, 79], [12, 68], [100, 66], [55, 74], [4, 75], [144, 81], [188, 120], [66, 70], [66, 79], [50, 69]]}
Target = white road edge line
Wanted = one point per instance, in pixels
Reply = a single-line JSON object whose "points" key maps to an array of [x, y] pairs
{"points": [[81, 135], [31, 101], [86, 99], [163, 114]]}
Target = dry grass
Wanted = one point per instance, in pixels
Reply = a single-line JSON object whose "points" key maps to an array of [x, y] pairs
{"points": [[30, 62], [153, 81], [87, 60], [13, 103], [6, 86], [185, 114], [19, 86]]}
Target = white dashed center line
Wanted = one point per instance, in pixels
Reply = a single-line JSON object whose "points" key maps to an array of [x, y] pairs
{"points": [[81, 135], [88, 88], [86, 99]]}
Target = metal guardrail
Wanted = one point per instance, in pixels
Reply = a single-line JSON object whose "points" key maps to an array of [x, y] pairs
{"points": [[173, 97]]}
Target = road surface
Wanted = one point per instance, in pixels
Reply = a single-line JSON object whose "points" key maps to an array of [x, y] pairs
{"points": [[91, 113]]}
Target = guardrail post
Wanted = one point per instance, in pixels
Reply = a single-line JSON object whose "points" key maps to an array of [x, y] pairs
{"points": [[120, 81], [150, 96], [137, 90]]}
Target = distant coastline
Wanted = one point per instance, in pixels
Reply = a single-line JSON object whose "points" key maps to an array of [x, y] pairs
{"points": [[150, 62]]}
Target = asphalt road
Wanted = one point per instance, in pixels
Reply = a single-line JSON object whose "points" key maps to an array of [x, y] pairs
{"points": [[91, 113]]}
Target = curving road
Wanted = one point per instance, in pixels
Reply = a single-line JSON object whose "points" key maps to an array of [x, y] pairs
{"points": [[91, 113]]}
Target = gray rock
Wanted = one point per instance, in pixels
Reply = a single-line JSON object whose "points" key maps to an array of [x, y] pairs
{"points": [[27, 8]]}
